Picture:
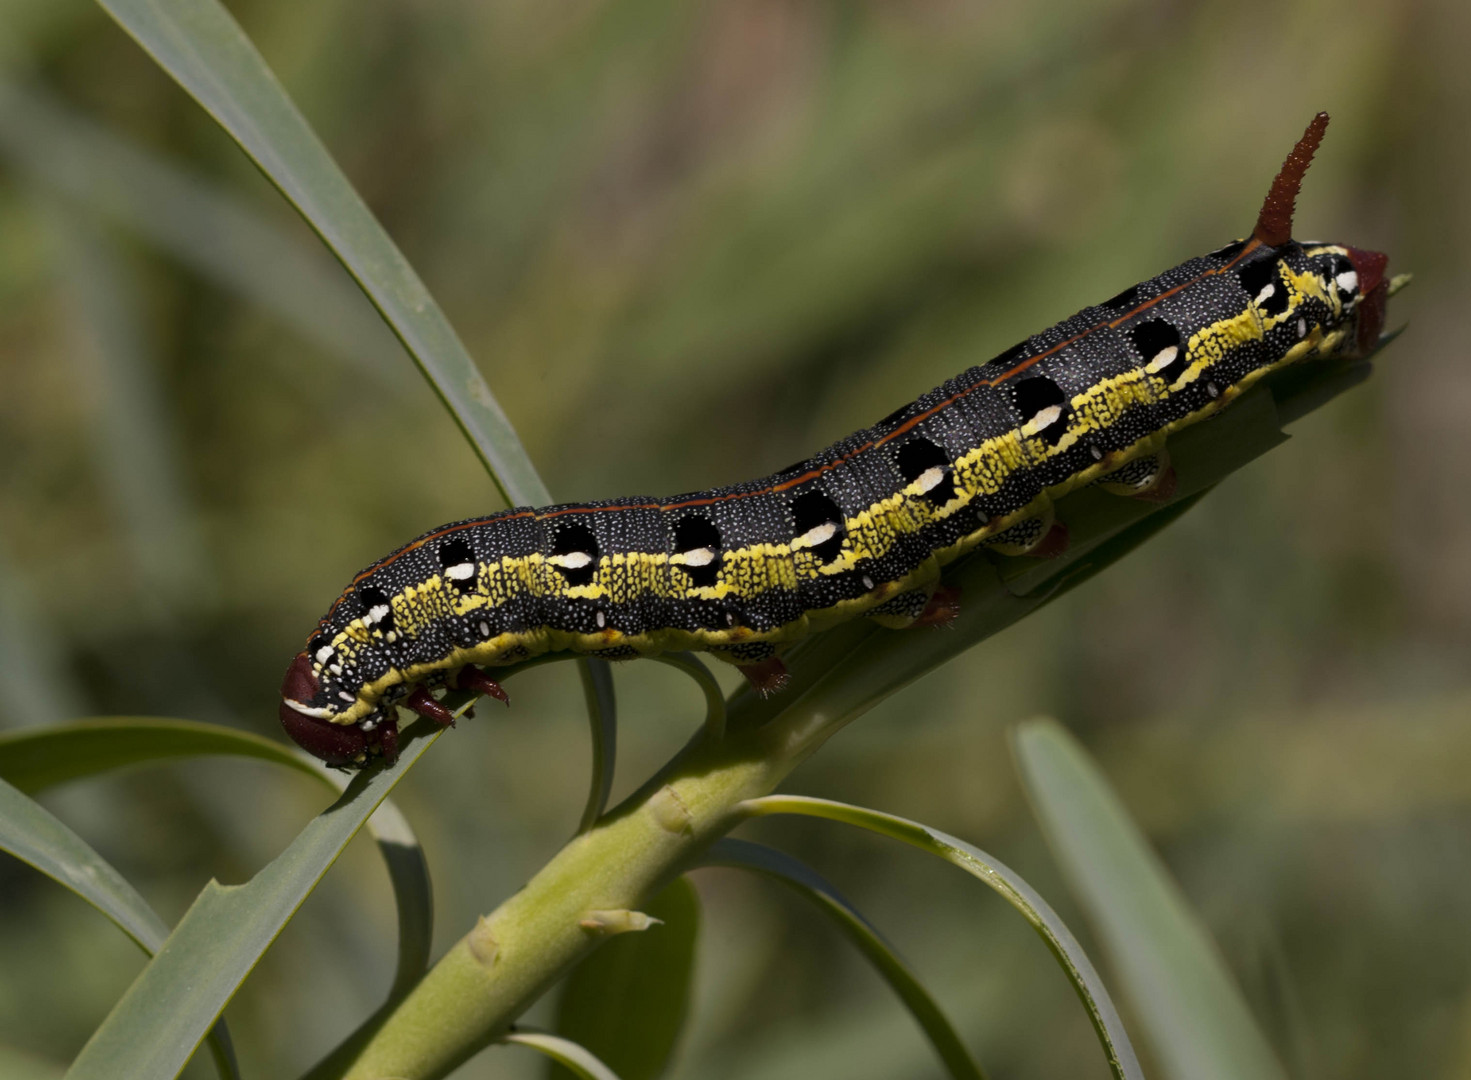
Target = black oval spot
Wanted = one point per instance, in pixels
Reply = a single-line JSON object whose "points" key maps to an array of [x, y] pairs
{"points": [[1010, 356], [375, 609], [457, 563], [916, 458], [1153, 338], [695, 532], [1124, 300], [1260, 277], [569, 542], [1036, 395], [814, 510]]}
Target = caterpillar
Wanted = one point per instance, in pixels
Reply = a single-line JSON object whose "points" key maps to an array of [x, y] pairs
{"points": [[862, 528]]}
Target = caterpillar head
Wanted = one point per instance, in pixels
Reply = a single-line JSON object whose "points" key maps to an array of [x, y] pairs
{"points": [[309, 723]]}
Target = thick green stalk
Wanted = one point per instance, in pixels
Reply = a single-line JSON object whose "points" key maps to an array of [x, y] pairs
{"points": [[512, 956]]}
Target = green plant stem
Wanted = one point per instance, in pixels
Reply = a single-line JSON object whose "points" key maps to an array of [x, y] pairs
{"points": [[513, 955]]}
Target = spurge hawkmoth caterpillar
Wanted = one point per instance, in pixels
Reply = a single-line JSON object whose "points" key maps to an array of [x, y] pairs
{"points": [[861, 528]]}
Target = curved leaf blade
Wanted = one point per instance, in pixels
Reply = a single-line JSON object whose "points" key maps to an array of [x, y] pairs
{"points": [[1122, 1060], [565, 1052], [36, 758], [1181, 989], [201, 46], [627, 1002], [602, 715], [695, 668], [808, 883], [162, 1017], [35, 836]]}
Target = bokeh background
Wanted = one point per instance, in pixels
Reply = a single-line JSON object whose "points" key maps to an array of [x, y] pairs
{"points": [[687, 243]]}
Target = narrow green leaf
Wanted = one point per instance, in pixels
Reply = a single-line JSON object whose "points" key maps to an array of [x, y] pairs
{"points": [[627, 1001], [809, 883], [36, 758], [35, 836], [201, 46], [156, 1026], [580, 1061], [1182, 991], [1074, 962], [602, 715], [695, 668]]}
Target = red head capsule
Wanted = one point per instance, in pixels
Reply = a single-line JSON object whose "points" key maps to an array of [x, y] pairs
{"points": [[336, 744]]}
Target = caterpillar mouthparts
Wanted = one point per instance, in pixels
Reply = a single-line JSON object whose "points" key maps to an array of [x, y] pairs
{"points": [[335, 744]]}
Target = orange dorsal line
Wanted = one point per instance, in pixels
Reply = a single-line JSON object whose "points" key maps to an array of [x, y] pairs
{"points": [[1274, 223]]}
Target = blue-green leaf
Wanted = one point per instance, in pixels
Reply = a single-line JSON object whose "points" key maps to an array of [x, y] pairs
{"points": [[692, 666], [1181, 990], [36, 758], [1074, 962], [627, 1001], [583, 1064], [34, 835], [156, 1026], [809, 883], [201, 46], [602, 715]]}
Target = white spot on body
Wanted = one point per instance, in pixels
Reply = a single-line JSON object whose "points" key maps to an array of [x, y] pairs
{"points": [[699, 557], [335, 669], [1045, 418], [1268, 291], [867, 582], [307, 710], [1302, 328], [460, 571], [1162, 359], [931, 477], [345, 696], [573, 560], [323, 653], [1097, 453], [1348, 281], [391, 636], [484, 628], [377, 613], [820, 534], [601, 619]]}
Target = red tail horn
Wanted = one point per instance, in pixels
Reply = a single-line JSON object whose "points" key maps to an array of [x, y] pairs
{"points": [[1274, 223]]}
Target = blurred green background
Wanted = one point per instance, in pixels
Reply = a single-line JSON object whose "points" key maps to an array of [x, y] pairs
{"points": [[688, 243]]}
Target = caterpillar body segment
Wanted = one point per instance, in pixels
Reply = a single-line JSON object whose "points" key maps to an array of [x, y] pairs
{"points": [[861, 528]]}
